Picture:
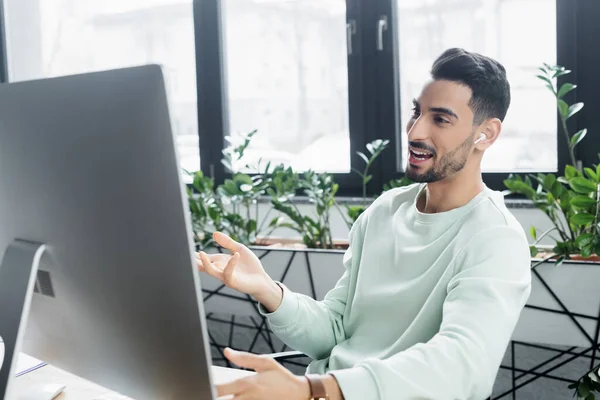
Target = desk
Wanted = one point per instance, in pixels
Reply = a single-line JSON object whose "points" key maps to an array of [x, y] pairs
{"points": [[81, 389]]}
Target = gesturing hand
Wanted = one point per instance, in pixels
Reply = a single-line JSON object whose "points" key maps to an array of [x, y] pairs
{"points": [[241, 271]]}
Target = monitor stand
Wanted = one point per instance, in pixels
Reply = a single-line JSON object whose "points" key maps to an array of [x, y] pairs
{"points": [[18, 273]]}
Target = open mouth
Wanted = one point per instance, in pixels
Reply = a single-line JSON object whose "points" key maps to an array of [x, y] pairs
{"points": [[419, 156]]}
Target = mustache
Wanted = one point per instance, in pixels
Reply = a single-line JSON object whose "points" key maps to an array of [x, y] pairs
{"points": [[422, 146]]}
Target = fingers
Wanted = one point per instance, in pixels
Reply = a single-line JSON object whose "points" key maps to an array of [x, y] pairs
{"points": [[199, 263], [233, 388], [251, 361], [225, 241], [208, 267], [228, 270]]}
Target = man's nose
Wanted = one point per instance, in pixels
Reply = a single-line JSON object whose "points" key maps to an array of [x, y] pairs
{"points": [[418, 130]]}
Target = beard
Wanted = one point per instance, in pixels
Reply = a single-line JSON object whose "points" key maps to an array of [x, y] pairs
{"points": [[448, 165]]}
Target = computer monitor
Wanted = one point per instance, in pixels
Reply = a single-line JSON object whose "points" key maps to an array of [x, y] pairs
{"points": [[91, 190]]}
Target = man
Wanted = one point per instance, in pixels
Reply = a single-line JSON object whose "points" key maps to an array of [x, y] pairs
{"points": [[437, 273]]}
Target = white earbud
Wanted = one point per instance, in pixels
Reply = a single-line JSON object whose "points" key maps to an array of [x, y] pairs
{"points": [[481, 138]]}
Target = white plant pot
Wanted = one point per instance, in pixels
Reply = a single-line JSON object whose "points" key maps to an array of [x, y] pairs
{"points": [[575, 285]]}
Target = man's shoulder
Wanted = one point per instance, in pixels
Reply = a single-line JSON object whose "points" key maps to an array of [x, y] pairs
{"points": [[491, 227], [491, 213]]}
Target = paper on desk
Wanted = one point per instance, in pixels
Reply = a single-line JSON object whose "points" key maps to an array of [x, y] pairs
{"points": [[25, 363]]}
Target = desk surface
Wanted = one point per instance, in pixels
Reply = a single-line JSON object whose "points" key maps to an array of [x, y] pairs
{"points": [[81, 389]]}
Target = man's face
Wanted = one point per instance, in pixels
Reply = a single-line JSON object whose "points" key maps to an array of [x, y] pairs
{"points": [[440, 132]]}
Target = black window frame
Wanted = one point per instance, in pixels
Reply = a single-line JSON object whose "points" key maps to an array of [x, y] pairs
{"points": [[212, 94], [374, 89]]}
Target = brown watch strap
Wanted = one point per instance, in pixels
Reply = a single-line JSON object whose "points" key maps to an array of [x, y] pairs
{"points": [[317, 387]]}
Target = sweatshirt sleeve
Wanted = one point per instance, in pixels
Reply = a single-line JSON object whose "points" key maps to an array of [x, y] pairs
{"points": [[489, 288], [315, 327]]}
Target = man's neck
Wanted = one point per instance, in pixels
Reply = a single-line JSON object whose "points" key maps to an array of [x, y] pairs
{"points": [[450, 193]]}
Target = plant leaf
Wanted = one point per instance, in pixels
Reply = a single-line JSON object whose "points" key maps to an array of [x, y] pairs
{"points": [[582, 185], [563, 107], [563, 180], [363, 156], [584, 240], [544, 78], [561, 73], [578, 137], [557, 189], [549, 182], [565, 88], [244, 187], [533, 232], [519, 186], [583, 390], [573, 109], [565, 200], [583, 202], [251, 226], [592, 174], [570, 172], [582, 219], [533, 251]]}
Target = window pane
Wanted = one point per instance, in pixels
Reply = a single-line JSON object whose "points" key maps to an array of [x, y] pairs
{"points": [[47, 38], [287, 77], [506, 31]]}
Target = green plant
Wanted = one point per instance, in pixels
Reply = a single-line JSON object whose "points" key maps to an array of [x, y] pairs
{"points": [[587, 385], [239, 198], [233, 206], [204, 208], [233, 154], [550, 74], [239, 195], [316, 230], [572, 204], [374, 149], [571, 201]]}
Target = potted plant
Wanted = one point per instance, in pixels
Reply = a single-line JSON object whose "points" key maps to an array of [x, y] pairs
{"points": [[571, 202], [374, 149]]}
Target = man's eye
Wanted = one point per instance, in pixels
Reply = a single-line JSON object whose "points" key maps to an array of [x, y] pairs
{"points": [[440, 120], [415, 113]]}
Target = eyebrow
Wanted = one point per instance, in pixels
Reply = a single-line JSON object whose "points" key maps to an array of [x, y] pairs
{"points": [[441, 110]]}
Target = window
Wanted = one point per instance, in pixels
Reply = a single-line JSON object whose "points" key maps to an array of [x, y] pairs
{"points": [[287, 77], [502, 30], [319, 79], [47, 38]]}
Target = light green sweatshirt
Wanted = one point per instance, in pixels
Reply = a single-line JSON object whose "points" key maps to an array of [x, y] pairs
{"points": [[426, 306]]}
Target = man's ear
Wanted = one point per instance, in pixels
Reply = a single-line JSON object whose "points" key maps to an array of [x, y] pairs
{"points": [[491, 128]]}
